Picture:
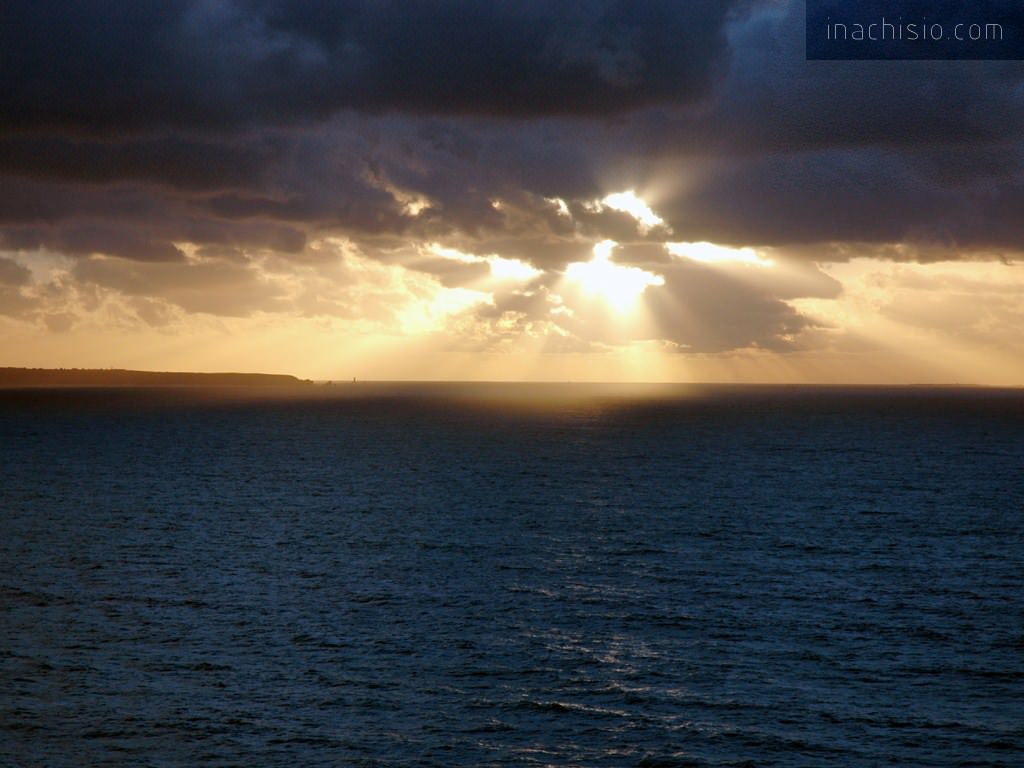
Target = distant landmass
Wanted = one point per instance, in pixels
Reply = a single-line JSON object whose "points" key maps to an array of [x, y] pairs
{"points": [[87, 377]]}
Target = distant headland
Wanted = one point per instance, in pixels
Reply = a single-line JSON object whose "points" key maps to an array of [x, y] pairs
{"points": [[12, 378]]}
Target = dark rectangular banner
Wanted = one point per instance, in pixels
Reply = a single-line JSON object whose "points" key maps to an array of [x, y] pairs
{"points": [[915, 29]]}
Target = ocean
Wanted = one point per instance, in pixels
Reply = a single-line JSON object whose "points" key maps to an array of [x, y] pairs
{"points": [[512, 575]]}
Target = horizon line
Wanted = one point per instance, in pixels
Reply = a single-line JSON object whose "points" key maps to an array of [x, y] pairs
{"points": [[294, 380]]}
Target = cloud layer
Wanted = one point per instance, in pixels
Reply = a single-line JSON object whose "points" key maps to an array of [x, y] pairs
{"points": [[123, 66], [230, 157]]}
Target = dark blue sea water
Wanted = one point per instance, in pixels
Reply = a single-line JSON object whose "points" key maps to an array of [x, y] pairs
{"points": [[512, 576]]}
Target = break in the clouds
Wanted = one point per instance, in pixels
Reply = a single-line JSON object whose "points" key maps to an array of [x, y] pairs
{"points": [[384, 162]]}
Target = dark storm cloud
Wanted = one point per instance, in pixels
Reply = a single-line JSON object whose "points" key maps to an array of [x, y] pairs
{"points": [[867, 196], [773, 99], [126, 66], [82, 239], [125, 220], [36, 202], [785, 151], [791, 151], [190, 164]]}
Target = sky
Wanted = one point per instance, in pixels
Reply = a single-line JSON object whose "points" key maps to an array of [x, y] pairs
{"points": [[511, 190]]}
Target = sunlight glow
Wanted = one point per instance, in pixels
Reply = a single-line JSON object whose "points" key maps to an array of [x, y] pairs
{"points": [[627, 202], [501, 267], [453, 253], [620, 287], [511, 269], [896, 315], [416, 206], [560, 206], [709, 253], [412, 203], [432, 314]]}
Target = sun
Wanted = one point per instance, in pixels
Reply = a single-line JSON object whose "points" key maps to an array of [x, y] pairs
{"points": [[618, 286]]}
